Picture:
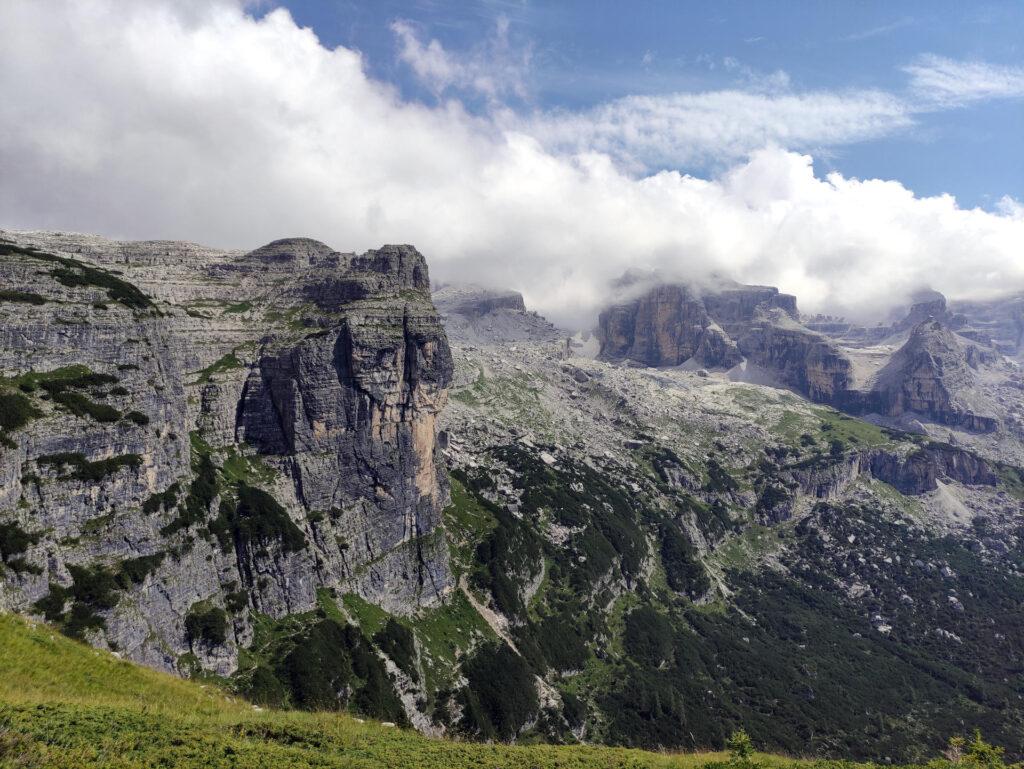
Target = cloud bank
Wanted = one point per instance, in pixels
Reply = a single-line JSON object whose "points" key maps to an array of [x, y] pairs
{"points": [[198, 121]]}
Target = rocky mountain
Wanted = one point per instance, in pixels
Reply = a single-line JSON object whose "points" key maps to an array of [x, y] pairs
{"points": [[279, 471], [673, 553], [933, 373], [929, 367], [670, 324], [475, 314], [194, 440]]}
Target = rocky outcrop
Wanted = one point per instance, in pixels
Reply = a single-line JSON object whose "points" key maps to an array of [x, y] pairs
{"points": [[828, 477], [478, 315], [474, 304], [928, 305], [199, 428], [670, 324], [917, 472], [799, 358], [933, 375], [999, 323]]}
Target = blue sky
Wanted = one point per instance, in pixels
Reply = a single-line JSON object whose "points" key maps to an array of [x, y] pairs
{"points": [[586, 53]]}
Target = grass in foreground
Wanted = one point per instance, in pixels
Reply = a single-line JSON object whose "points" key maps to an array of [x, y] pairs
{"points": [[64, 705]]}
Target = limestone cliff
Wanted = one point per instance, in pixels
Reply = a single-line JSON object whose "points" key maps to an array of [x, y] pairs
{"points": [[191, 433], [933, 374]]}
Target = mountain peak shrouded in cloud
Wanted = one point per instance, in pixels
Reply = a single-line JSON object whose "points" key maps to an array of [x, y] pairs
{"points": [[153, 119]]}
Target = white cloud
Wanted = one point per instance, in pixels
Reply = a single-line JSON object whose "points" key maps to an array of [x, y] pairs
{"points": [[143, 120], [495, 68], [695, 128], [880, 31], [948, 82]]}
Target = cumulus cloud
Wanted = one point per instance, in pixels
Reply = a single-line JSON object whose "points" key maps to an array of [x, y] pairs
{"points": [[948, 82], [148, 121]]}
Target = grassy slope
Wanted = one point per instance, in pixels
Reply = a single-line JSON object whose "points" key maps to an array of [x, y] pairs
{"points": [[63, 704]]}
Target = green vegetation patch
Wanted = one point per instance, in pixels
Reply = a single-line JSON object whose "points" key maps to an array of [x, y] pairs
{"points": [[163, 500], [466, 521], [22, 297], [14, 541], [133, 571], [206, 624], [314, 661], [64, 705], [84, 470], [445, 634], [224, 363], [257, 520], [81, 406], [370, 616], [201, 493], [500, 696], [64, 387], [398, 642], [16, 411], [853, 431], [73, 273], [93, 589]]}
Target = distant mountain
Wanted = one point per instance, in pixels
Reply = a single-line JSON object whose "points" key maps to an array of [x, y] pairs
{"points": [[471, 313], [928, 367]]}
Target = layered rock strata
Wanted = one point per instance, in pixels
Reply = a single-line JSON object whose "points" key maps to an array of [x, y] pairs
{"points": [[194, 431]]}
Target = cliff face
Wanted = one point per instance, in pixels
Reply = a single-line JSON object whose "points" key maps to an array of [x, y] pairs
{"points": [[189, 431], [933, 375], [671, 324], [798, 357]]}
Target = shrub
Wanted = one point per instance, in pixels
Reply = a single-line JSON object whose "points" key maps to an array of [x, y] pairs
{"points": [[260, 518], [93, 590], [236, 601], [206, 624], [319, 668], [719, 479], [134, 571], [683, 570], [396, 641], [501, 693], [981, 754], [13, 542], [16, 411], [165, 500], [94, 586], [264, 688], [72, 273], [741, 749], [648, 636], [52, 604], [83, 470], [137, 417], [24, 297], [201, 493], [81, 406]]}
